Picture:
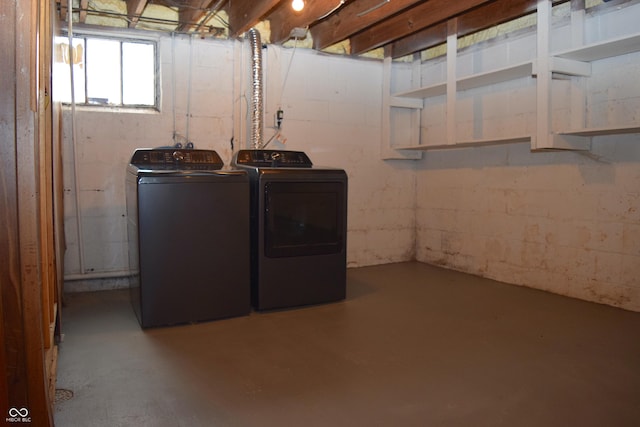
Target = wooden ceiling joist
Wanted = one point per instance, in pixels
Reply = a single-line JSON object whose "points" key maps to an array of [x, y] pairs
{"points": [[244, 14], [64, 10], [413, 20], [84, 6], [354, 17], [402, 26], [500, 11], [203, 9], [134, 11], [424, 39]]}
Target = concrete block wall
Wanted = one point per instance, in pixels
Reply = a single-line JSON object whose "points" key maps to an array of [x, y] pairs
{"points": [[332, 111], [568, 223], [105, 140], [565, 222], [332, 108]]}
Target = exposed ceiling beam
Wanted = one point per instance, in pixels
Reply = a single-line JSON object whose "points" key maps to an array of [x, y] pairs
{"points": [[201, 10], [353, 17], [84, 6], [64, 11], [244, 14], [413, 20], [283, 19], [423, 39], [402, 26], [134, 10], [499, 11]]}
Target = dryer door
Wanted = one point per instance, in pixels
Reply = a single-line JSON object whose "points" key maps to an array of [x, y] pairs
{"points": [[304, 218]]}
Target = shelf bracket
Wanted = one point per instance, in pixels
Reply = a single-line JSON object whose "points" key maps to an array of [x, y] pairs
{"points": [[570, 67], [415, 103]]}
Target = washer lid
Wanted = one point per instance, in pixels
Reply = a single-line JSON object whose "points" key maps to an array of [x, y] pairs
{"points": [[172, 159]]}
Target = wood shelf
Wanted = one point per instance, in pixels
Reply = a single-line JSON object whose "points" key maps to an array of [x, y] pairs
{"points": [[473, 81], [469, 143], [605, 49], [397, 101], [499, 75], [424, 92], [602, 131]]}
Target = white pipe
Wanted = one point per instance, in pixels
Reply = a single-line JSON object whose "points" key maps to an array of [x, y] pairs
{"points": [[74, 141], [105, 275]]}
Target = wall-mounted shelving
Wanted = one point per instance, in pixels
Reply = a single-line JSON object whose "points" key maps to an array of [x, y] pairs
{"points": [[496, 76], [604, 49], [574, 62], [437, 89], [473, 81], [602, 131], [469, 143]]}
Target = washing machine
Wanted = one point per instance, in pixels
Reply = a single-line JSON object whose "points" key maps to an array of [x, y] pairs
{"points": [[298, 229], [188, 230]]}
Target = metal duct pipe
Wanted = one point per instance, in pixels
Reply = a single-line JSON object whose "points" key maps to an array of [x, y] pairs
{"points": [[257, 91]]}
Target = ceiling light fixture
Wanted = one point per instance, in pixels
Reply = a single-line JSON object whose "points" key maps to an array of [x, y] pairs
{"points": [[297, 5]]}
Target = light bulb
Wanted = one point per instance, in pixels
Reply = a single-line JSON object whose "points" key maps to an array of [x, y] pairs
{"points": [[297, 5]]}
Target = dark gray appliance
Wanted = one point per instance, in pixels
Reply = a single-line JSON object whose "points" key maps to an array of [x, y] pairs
{"points": [[188, 226], [298, 229]]}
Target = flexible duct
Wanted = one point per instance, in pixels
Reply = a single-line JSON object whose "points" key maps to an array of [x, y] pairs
{"points": [[256, 85]]}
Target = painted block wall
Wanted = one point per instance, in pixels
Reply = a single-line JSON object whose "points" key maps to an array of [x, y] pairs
{"points": [[332, 111], [565, 222], [568, 223], [332, 108]]}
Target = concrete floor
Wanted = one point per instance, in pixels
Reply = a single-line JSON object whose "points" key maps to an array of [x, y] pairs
{"points": [[412, 345]]}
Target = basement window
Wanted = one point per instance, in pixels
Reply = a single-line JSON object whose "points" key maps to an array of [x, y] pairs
{"points": [[107, 72]]}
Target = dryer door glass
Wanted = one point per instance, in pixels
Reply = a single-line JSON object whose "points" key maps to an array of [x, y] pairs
{"points": [[304, 218]]}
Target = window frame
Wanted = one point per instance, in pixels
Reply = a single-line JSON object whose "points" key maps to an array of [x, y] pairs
{"points": [[120, 37]]}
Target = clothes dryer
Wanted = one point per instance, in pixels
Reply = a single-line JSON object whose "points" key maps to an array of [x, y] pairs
{"points": [[298, 229]]}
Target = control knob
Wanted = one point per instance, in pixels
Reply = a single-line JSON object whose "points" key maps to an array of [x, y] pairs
{"points": [[178, 156], [275, 158]]}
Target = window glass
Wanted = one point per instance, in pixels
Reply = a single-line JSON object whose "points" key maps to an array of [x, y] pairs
{"points": [[103, 72], [62, 73], [106, 72], [138, 63]]}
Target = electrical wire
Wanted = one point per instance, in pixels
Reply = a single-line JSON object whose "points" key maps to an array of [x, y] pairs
{"points": [[212, 12], [173, 83], [189, 87], [286, 76], [332, 10]]}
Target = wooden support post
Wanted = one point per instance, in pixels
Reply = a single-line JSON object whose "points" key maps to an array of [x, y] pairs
{"points": [[24, 211]]}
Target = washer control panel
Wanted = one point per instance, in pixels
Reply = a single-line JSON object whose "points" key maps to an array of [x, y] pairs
{"points": [[273, 159], [176, 159]]}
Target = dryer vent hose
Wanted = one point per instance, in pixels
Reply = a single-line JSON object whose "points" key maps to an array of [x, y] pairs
{"points": [[257, 111]]}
